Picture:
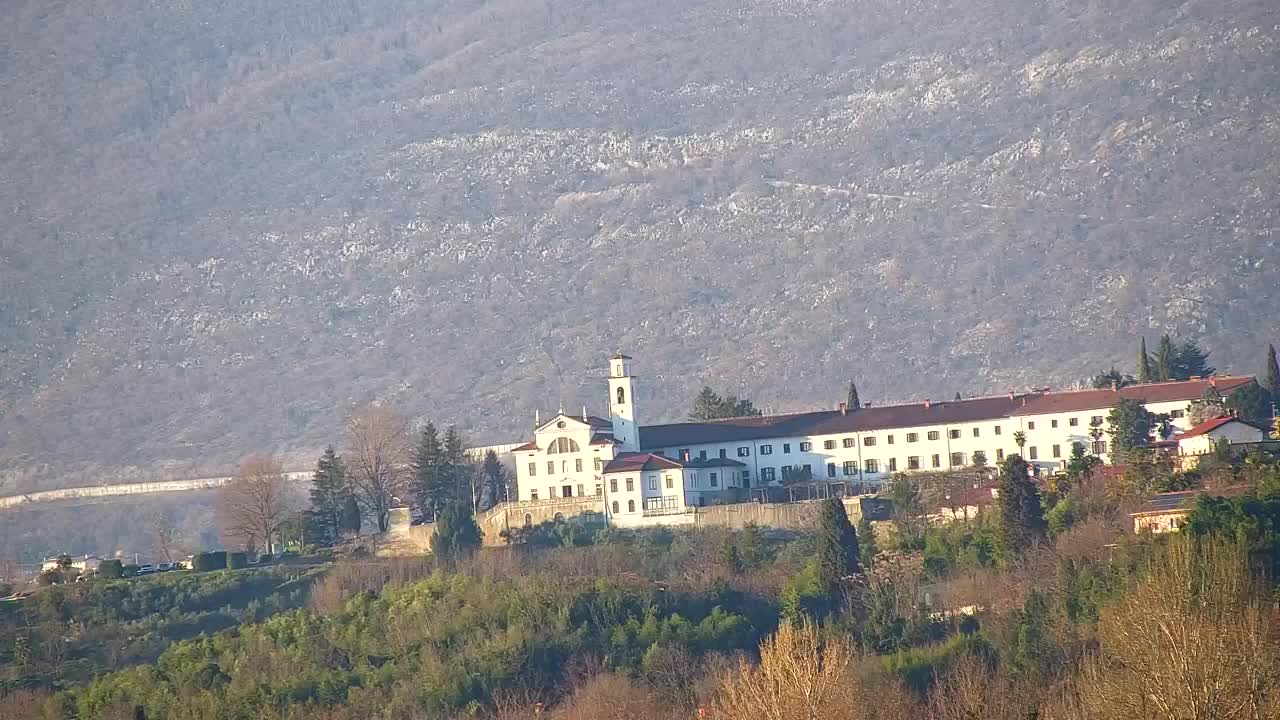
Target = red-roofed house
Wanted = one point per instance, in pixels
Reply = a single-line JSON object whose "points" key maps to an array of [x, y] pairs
{"points": [[1203, 438]]}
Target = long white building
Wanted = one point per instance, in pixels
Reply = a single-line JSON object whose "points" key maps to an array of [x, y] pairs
{"points": [[646, 471]]}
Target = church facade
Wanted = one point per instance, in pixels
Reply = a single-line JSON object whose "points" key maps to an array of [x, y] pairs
{"points": [[642, 473]]}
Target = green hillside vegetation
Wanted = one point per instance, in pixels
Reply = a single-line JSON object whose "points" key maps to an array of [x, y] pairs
{"points": [[229, 223]]}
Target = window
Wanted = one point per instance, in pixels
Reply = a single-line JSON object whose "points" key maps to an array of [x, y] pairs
{"points": [[1073, 422], [693, 480], [683, 454], [562, 424], [533, 469], [1057, 451], [564, 466], [831, 470], [615, 507], [786, 472], [551, 492], [1053, 423], [599, 490], [957, 459], [997, 429], [622, 396], [937, 460], [1031, 424], [577, 465], [913, 437], [786, 448], [868, 441], [613, 484], [653, 482], [851, 467], [828, 444], [953, 434], [631, 484], [872, 467], [849, 442], [744, 451], [599, 464], [979, 457], [631, 504], [913, 462], [1095, 420], [562, 445], [533, 495], [714, 479], [1033, 454], [889, 440], [702, 454], [581, 491], [976, 432], [934, 435], [893, 464], [670, 483], [551, 467], [1100, 447], [1000, 455], [1175, 414], [766, 449], [528, 520], [766, 475], [746, 477], [723, 453]]}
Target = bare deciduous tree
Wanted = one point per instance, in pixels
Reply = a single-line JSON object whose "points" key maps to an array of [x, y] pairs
{"points": [[378, 460], [166, 540], [253, 505], [800, 677], [1195, 640]]}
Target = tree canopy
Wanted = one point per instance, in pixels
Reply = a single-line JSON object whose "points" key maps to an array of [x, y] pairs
{"points": [[709, 405]]}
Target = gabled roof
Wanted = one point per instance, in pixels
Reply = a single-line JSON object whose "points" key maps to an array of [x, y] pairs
{"points": [[1173, 391], [827, 422], [1184, 499], [713, 462], [1210, 425], [531, 445], [605, 440], [633, 462], [595, 423]]}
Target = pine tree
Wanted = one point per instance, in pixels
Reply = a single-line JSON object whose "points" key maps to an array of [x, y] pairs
{"points": [[457, 534], [707, 405], [330, 489], [1129, 424], [837, 551], [852, 403], [1022, 520], [457, 475], [497, 478], [1271, 374], [429, 485], [1144, 362], [866, 542], [1190, 361], [1166, 359]]}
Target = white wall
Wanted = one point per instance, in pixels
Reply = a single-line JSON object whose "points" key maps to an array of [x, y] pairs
{"points": [[543, 482], [1235, 432]]}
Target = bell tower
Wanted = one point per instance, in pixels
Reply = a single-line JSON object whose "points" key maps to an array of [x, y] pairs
{"points": [[622, 403]]}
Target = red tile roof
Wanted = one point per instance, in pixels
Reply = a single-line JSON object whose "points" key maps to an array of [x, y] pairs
{"points": [[1211, 425], [632, 462], [827, 422], [531, 445], [1078, 400], [605, 440]]}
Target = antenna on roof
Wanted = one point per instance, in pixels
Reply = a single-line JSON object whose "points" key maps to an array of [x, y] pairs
{"points": [[584, 413]]}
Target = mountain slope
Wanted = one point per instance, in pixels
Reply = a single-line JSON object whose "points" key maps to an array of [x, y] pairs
{"points": [[227, 224]]}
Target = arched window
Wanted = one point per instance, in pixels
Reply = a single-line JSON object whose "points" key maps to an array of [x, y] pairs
{"points": [[558, 518], [563, 445], [631, 506], [622, 395], [564, 466], [615, 507], [528, 520]]}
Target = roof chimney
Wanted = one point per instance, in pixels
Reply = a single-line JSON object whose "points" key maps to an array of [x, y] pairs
{"points": [[1114, 386], [1213, 380], [1196, 377], [866, 404], [843, 409], [537, 417], [1010, 394], [926, 403], [584, 413]]}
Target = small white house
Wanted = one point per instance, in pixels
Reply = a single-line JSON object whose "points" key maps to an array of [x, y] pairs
{"points": [[1201, 439]]}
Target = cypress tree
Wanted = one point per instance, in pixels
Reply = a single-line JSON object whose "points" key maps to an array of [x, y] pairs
{"points": [[1166, 359], [457, 534], [1144, 362], [456, 470], [428, 482], [852, 403], [497, 479], [1022, 520], [1271, 374], [837, 551], [866, 542], [329, 492], [351, 516]]}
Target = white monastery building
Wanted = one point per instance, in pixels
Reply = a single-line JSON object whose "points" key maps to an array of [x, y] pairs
{"points": [[646, 471]]}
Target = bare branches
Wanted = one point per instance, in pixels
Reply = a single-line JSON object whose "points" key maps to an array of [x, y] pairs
{"points": [[799, 677], [378, 460], [254, 504]]}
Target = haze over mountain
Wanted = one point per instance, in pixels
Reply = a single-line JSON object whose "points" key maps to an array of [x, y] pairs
{"points": [[226, 224]]}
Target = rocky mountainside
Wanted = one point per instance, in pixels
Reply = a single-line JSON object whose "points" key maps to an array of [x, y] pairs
{"points": [[225, 224]]}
